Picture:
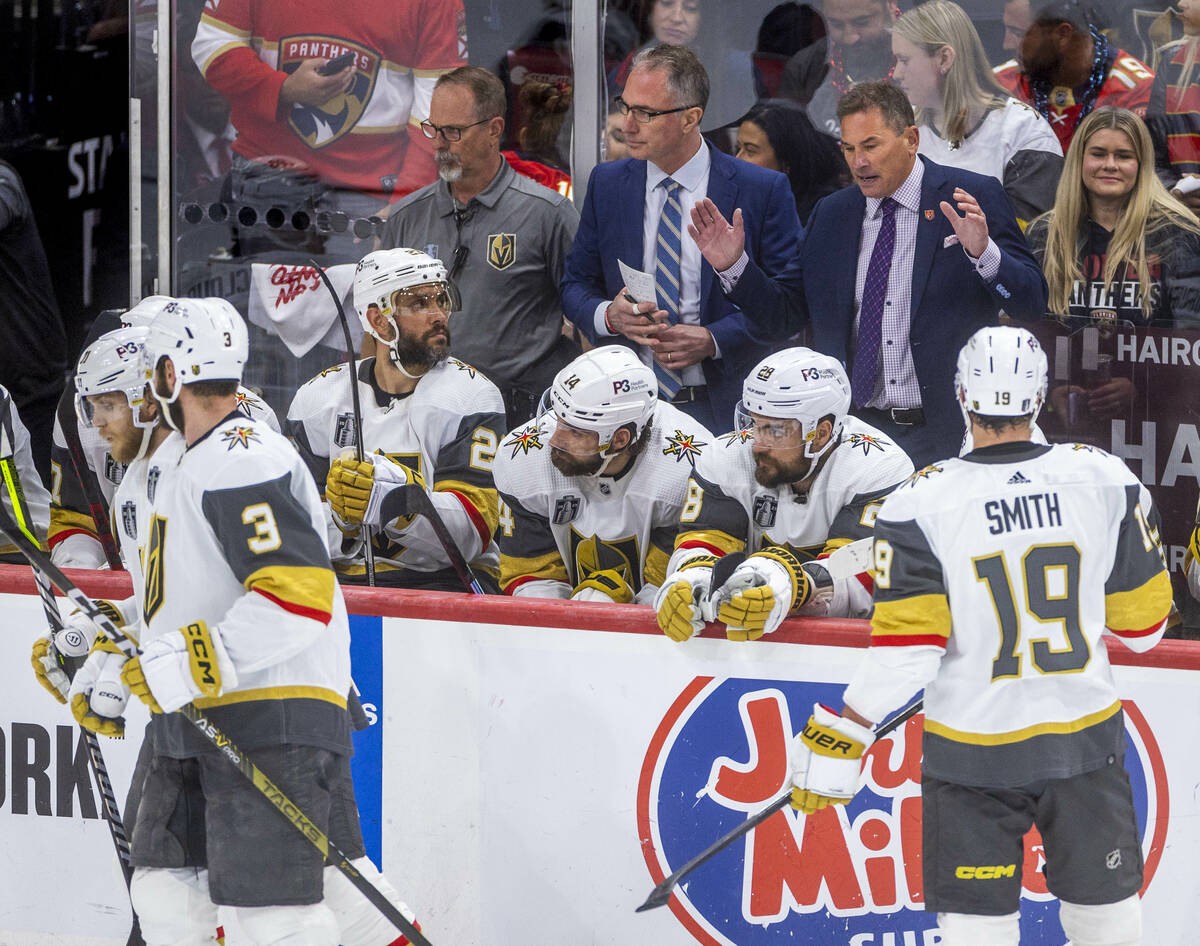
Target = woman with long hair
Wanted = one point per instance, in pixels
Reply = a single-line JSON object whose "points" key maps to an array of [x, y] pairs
{"points": [[966, 118], [1117, 247], [779, 136]]}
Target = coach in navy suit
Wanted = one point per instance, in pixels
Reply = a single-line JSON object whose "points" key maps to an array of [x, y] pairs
{"points": [[894, 273], [698, 341]]}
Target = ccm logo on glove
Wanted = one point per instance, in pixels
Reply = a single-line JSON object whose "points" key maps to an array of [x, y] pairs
{"points": [[203, 665]]}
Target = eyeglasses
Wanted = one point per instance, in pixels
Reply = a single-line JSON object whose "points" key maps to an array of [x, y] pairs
{"points": [[643, 116], [448, 132]]}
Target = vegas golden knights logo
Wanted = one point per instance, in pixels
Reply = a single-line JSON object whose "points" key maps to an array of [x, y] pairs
{"points": [[501, 250], [594, 554], [153, 566]]}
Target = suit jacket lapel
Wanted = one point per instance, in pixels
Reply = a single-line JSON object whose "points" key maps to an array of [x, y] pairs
{"points": [[933, 192], [722, 191], [632, 196], [843, 257]]}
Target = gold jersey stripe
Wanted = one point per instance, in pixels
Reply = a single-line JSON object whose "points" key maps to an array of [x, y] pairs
{"points": [[304, 590], [1020, 735], [1143, 607], [654, 572], [721, 540], [549, 567], [68, 520], [918, 616], [323, 694], [485, 499]]}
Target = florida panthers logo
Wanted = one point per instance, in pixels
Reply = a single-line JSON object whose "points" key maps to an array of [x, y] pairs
{"points": [[322, 125]]}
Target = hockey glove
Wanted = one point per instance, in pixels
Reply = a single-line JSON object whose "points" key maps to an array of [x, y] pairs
{"points": [[73, 639], [760, 593], [1194, 545], [682, 600], [348, 489], [97, 695], [79, 550], [607, 586], [179, 667], [47, 670], [826, 759]]}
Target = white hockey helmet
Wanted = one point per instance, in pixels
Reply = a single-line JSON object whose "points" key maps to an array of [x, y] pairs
{"points": [[801, 385], [603, 390], [383, 273], [1001, 372], [112, 363], [145, 311], [205, 339]]}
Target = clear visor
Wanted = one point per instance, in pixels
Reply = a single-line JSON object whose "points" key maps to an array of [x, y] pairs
{"points": [[439, 297], [566, 438], [98, 410], [771, 433]]}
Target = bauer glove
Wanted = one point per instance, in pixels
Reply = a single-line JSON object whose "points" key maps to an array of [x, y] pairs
{"points": [[682, 600], [826, 759], [97, 695], [760, 593]]}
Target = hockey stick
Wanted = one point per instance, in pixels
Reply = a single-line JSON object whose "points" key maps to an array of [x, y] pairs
{"points": [[332, 854], [417, 502], [108, 798], [91, 490], [368, 548], [662, 893]]}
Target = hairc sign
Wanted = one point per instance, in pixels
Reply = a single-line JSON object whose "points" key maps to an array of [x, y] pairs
{"points": [[846, 876]]}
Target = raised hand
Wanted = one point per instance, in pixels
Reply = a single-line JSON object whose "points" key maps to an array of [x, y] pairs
{"points": [[720, 241], [971, 228]]}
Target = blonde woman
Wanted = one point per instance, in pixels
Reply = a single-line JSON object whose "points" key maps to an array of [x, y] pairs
{"points": [[1117, 247], [966, 118]]}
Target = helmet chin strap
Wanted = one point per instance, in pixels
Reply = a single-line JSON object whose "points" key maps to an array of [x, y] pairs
{"points": [[833, 439], [164, 403], [147, 433]]}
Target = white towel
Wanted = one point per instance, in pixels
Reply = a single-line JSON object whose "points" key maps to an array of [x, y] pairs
{"points": [[293, 303]]}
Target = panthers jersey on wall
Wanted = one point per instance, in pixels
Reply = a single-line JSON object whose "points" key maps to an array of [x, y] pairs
{"points": [[236, 538], [995, 577], [69, 513], [562, 528], [728, 511], [447, 430]]}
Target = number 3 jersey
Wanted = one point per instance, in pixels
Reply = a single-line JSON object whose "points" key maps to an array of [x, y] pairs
{"points": [[446, 430], [236, 539], [728, 510], [556, 530], [995, 577]]}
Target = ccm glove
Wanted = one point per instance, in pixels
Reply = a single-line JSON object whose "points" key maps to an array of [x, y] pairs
{"points": [[760, 593], [682, 602], [97, 695], [179, 667], [608, 586], [826, 760], [348, 490]]}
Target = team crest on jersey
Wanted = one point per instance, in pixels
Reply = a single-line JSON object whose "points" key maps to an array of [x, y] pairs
{"points": [[594, 554], [239, 436], [566, 508], [322, 125], [462, 366], [246, 401], [152, 482], [683, 446], [114, 471], [501, 250], [926, 472], [530, 438], [866, 441], [737, 436], [765, 509], [1085, 446], [343, 430], [332, 368], [129, 519]]}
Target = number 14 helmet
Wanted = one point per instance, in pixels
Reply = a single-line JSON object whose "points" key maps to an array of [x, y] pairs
{"points": [[1001, 372]]}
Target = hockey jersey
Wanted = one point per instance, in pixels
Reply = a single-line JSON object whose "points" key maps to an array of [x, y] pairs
{"points": [[728, 511], [555, 530], [366, 139], [69, 513], [37, 498], [236, 539], [447, 430], [995, 576], [1127, 85]]}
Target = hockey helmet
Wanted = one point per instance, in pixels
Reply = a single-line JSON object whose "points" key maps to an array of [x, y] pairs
{"points": [[1001, 372], [112, 363], [383, 273], [145, 311], [604, 390], [801, 385], [205, 339]]}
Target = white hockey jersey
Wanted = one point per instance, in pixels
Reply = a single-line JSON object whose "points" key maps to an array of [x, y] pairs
{"points": [[37, 498], [559, 529], [236, 538], [995, 577], [69, 514], [728, 511], [447, 430]]}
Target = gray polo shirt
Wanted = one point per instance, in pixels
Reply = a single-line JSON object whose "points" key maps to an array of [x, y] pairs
{"points": [[518, 234]]}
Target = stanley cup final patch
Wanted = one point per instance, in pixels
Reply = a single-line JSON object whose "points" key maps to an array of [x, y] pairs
{"points": [[501, 250]]}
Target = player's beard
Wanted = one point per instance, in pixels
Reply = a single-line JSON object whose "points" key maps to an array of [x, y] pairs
{"points": [[570, 465], [423, 353], [126, 445], [449, 167], [772, 472]]}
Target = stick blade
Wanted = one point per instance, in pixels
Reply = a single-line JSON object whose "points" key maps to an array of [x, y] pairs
{"points": [[659, 896]]}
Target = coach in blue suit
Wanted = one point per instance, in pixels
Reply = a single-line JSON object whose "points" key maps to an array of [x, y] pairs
{"points": [[698, 341], [895, 306]]}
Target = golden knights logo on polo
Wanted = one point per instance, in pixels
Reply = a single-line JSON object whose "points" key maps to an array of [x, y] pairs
{"points": [[321, 125], [501, 250]]}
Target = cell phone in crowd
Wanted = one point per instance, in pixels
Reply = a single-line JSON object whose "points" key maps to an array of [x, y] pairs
{"points": [[336, 64]]}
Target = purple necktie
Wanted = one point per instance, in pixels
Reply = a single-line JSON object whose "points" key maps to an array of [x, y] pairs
{"points": [[870, 316]]}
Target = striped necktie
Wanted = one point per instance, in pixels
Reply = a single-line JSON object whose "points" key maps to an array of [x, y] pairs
{"points": [[668, 247]]}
